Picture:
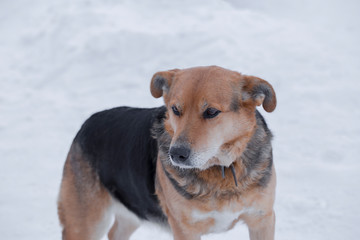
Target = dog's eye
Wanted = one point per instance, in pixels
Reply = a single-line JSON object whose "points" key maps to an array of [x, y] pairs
{"points": [[211, 113], [175, 110]]}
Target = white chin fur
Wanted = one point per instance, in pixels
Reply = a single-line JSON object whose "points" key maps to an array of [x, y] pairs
{"points": [[201, 160], [181, 165]]}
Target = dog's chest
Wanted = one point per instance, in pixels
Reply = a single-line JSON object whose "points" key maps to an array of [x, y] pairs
{"points": [[221, 220]]}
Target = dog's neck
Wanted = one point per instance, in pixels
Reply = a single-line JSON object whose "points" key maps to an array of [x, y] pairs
{"points": [[250, 170], [201, 184], [232, 171]]}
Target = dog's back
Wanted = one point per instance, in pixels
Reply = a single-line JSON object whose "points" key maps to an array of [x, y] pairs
{"points": [[118, 145]]}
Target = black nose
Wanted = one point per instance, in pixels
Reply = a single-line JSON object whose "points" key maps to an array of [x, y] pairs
{"points": [[179, 154]]}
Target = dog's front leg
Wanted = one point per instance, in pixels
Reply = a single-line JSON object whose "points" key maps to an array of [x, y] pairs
{"points": [[179, 232], [262, 229]]}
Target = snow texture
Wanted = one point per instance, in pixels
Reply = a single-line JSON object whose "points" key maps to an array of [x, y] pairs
{"points": [[62, 60]]}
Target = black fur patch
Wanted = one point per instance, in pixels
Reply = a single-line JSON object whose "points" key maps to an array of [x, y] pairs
{"points": [[119, 147]]}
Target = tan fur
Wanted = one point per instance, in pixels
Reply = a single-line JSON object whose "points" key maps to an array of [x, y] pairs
{"points": [[86, 208], [179, 210], [82, 200], [192, 91]]}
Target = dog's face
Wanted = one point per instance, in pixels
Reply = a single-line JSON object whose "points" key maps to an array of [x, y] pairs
{"points": [[211, 113]]}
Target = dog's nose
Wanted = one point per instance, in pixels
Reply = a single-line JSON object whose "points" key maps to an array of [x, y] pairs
{"points": [[179, 154]]}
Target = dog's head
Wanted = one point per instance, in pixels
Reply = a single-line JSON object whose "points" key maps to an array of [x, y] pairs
{"points": [[211, 113]]}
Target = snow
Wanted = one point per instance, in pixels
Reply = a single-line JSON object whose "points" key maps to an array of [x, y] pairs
{"points": [[62, 60]]}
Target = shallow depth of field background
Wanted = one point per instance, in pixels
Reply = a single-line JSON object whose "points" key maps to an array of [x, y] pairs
{"points": [[61, 61]]}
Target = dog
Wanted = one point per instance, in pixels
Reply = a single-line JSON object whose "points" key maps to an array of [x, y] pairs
{"points": [[197, 165]]}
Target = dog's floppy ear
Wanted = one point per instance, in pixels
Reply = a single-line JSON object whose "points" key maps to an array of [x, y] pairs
{"points": [[161, 81], [260, 91]]}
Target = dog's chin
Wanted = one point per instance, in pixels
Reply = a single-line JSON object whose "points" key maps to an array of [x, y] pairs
{"points": [[199, 163], [187, 165], [181, 165]]}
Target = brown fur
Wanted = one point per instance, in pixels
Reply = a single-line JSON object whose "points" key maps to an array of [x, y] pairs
{"points": [[192, 91], [82, 200], [179, 209]]}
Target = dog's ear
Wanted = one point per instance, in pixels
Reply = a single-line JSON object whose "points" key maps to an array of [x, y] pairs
{"points": [[161, 82], [260, 91]]}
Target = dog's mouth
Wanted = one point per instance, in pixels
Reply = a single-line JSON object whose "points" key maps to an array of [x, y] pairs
{"points": [[222, 169], [180, 158]]}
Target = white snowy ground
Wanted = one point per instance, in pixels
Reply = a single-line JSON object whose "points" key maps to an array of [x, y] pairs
{"points": [[61, 61]]}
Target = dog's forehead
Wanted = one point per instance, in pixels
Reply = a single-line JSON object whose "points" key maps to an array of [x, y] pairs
{"points": [[204, 84], [206, 74]]}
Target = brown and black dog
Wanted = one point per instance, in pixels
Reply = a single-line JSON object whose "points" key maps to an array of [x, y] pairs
{"points": [[198, 165]]}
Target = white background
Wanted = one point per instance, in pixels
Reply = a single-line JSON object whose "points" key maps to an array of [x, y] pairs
{"points": [[62, 60]]}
